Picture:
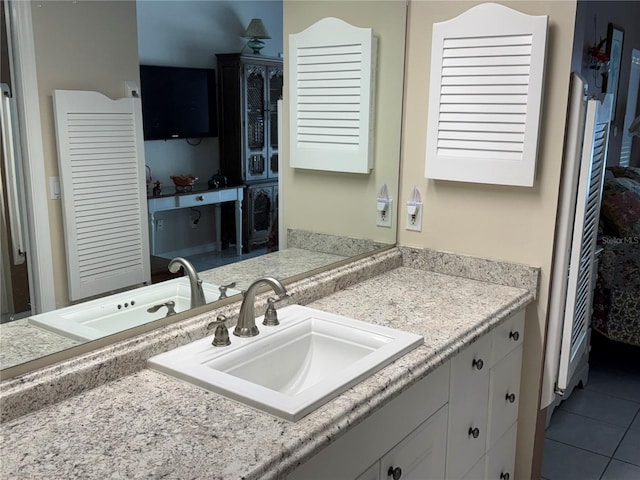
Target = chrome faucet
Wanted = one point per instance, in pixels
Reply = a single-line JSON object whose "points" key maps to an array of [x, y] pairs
{"points": [[197, 294], [246, 326]]}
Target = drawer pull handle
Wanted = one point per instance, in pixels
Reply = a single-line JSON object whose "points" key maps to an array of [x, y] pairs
{"points": [[515, 336], [504, 476], [477, 363], [511, 397], [474, 432], [394, 473], [200, 198]]}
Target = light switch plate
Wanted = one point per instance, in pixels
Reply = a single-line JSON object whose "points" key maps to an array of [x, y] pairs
{"points": [[54, 188]]}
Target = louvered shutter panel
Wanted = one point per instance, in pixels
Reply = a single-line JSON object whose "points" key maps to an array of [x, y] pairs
{"points": [[577, 311], [102, 179], [485, 96], [331, 84]]}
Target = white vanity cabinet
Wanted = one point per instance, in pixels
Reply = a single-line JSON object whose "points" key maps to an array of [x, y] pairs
{"points": [[483, 404], [458, 422], [409, 433], [420, 455]]}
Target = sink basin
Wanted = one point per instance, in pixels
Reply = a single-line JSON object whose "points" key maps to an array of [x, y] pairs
{"points": [[115, 313], [293, 368]]}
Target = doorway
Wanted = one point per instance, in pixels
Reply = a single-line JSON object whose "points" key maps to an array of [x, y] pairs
{"points": [[14, 276]]}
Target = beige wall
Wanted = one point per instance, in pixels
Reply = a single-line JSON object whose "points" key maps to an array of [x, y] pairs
{"points": [[497, 222], [340, 203], [79, 46]]}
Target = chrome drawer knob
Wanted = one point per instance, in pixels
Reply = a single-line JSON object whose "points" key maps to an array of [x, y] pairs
{"points": [[510, 397], [477, 363], [474, 432], [514, 335], [200, 198], [394, 473]]}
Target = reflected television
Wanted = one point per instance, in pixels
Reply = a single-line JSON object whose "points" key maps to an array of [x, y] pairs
{"points": [[178, 102]]}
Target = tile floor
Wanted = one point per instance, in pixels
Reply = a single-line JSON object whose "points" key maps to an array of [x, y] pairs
{"points": [[209, 260], [595, 433]]}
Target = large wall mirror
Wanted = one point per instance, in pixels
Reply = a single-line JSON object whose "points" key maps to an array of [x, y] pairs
{"points": [[327, 217]]}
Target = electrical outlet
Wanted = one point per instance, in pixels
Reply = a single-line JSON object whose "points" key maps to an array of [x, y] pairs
{"points": [[414, 220], [383, 216], [159, 225], [193, 220]]}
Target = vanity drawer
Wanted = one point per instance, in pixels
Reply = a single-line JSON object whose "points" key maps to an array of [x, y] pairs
{"points": [[470, 368], [505, 395], [508, 335], [501, 459], [207, 198], [467, 434], [477, 471], [468, 407]]}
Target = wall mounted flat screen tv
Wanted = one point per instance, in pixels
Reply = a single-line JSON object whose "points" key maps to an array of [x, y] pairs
{"points": [[178, 102]]}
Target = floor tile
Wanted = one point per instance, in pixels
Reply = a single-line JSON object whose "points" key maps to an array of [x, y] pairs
{"points": [[629, 449], [615, 384], [579, 431], [600, 406], [621, 471], [564, 462]]}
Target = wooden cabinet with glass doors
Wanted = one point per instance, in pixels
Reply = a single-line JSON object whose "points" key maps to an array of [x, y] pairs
{"points": [[249, 87]]}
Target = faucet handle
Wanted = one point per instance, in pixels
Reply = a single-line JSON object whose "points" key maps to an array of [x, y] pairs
{"points": [[221, 335], [170, 308], [271, 316], [223, 289]]}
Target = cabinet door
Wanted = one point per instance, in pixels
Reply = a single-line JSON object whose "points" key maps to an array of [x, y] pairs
{"points": [[259, 213], [255, 98], [421, 455], [274, 90]]}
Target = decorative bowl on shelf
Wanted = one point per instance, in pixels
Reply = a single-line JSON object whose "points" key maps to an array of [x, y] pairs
{"points": [[184, 183], [184, 180]]}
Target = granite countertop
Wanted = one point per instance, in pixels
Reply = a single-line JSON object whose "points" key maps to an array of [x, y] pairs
{"points": [[281, 264], [20, 342], [149, 425]]}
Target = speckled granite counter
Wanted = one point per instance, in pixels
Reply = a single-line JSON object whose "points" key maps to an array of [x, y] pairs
{"points": [[20, 342], [281, 264], [148, 425]]}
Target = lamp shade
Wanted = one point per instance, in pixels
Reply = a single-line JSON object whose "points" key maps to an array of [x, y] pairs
{"points": [[256, 29]]}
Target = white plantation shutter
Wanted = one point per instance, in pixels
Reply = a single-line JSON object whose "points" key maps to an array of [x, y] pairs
{"points": [[485, 93], [331, 82], [102, 178], [579, 285]]}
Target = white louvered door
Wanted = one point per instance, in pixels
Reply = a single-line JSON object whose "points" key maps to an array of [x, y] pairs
{"points": [[487, 67], [331, 82], [102, 178], [577, 312]]}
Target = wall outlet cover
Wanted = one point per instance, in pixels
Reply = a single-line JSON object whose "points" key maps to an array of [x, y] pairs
{"points": [[383, 217], [414, 217]]}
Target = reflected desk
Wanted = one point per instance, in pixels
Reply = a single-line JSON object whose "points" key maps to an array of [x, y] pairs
{"points": [[198, 199]]}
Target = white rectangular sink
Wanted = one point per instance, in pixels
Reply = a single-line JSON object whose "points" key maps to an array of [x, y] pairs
{"points": [[293, 368], [115, 313]]}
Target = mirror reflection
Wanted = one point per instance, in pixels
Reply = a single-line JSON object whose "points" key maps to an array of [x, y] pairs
{"points": [[290, 220]]}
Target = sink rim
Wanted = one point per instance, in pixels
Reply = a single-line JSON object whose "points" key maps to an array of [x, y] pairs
{"points": [[191, 364]]}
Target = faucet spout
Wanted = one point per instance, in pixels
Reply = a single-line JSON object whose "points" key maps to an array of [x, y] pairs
{"points": [[246, 326], [197, 294]]}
